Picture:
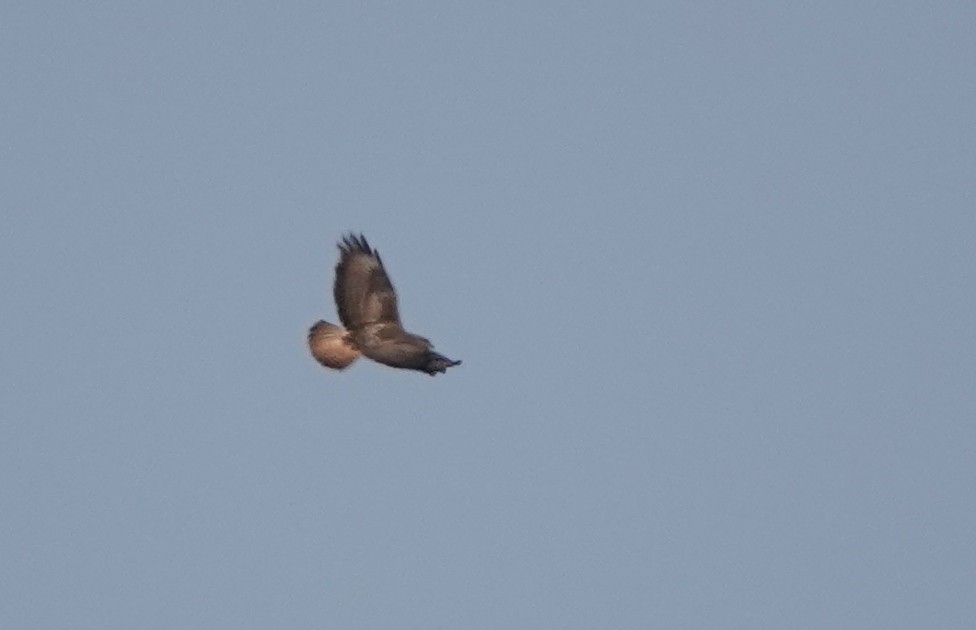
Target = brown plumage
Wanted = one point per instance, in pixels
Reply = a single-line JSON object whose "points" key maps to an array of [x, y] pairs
{"points": [[367, 305]]}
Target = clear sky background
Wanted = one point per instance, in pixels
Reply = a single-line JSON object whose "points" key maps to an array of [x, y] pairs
{"points": [[710, 267]]}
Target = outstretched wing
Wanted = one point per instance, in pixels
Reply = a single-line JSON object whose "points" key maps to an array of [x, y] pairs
{"points": [[363, 292]]}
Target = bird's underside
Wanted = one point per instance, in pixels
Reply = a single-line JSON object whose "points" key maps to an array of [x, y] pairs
{"points": [[367, 306]]}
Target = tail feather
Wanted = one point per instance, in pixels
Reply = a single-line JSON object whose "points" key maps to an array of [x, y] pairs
{"points": [[330, 347]]}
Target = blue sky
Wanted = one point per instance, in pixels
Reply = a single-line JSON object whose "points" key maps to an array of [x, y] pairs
{"points": [[709, 266]]}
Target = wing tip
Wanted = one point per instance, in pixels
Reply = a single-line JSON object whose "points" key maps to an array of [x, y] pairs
{"points": [[353, 243]]}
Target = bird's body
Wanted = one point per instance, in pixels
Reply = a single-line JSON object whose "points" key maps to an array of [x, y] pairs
{"points": [[367, 306]]}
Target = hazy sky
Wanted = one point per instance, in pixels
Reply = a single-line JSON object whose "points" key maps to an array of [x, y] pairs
{"points": [[710, 267]]}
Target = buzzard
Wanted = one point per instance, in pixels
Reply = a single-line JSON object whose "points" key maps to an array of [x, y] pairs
{"points": [[367, 306]]}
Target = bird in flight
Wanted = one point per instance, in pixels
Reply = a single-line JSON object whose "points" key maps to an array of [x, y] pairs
{"points": [[367, 305]]}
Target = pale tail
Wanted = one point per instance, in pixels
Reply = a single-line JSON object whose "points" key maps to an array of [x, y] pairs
{"points": [[329, 345]]}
